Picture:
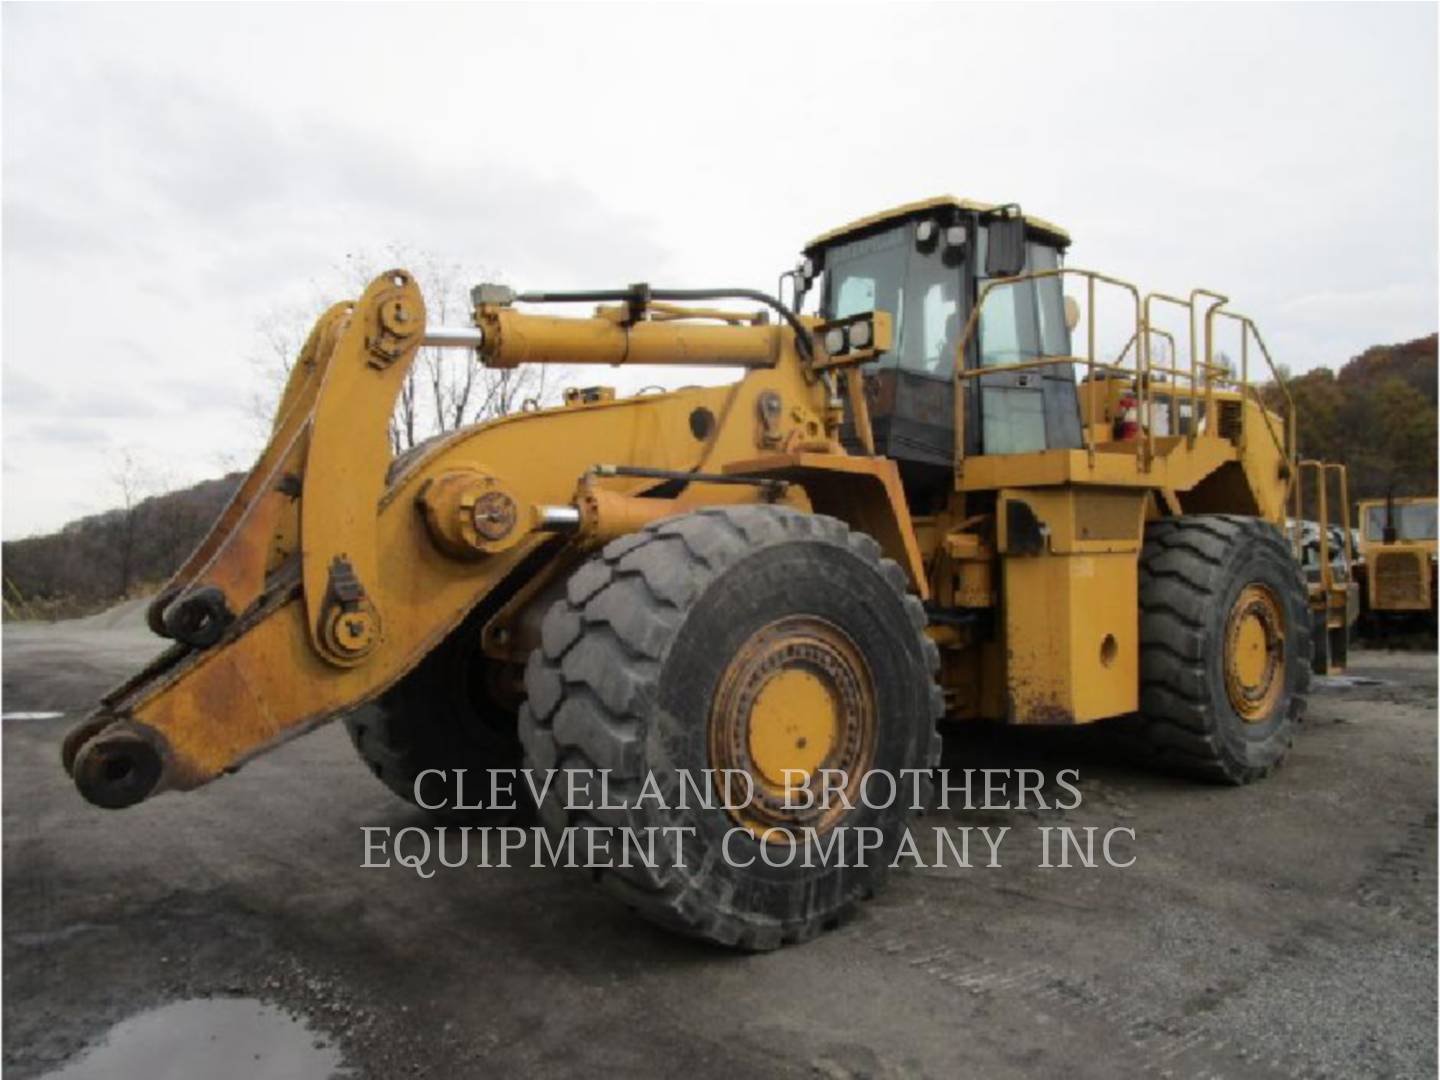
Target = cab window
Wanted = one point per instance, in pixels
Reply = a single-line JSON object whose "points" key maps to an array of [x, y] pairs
{"points": [[1412, 522], [887, 272], [1024, 321]]}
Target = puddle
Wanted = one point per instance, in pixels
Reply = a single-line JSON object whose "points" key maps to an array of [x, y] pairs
{"points": [[217, 1038], [1344, 682], [30, 715]]}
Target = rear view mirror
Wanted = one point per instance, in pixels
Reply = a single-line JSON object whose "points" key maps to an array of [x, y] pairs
{"points": [[1072, 313], [1005, 251]]}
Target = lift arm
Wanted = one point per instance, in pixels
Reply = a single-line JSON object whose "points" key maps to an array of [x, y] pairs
{"points": [[323, 581]]}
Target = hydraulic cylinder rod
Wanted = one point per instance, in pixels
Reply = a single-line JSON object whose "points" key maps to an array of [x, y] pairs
{"points": [[454, 337]]}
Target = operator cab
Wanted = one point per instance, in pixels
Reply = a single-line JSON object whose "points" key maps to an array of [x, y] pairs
{"points": [[926, 265]]}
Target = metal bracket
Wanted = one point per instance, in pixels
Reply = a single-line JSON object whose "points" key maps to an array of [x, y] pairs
{"points": [[349, 625], [637, 303], [398, 320]]}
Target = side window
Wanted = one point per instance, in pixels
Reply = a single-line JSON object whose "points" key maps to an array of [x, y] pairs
{"points": [[1024, 321], [1013, 420], [940, 314], [1421, 523], [1374, 522], [999, 329], [1050, 301], [857, 294]]}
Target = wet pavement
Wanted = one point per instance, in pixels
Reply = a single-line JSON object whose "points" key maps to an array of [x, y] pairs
{"points": [[215, 1038]]}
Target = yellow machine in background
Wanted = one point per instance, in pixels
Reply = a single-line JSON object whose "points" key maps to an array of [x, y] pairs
{"points": [[922, 501], [1397, 544]]}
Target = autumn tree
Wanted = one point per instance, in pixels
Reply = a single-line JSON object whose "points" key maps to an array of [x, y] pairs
{"points": [[1376, 415]]}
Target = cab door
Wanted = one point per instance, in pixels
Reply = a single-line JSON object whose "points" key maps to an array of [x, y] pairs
{"points": [[1034, 409]]}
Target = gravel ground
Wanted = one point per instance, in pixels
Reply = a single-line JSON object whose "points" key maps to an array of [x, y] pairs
{"points": [[1286, 929]]}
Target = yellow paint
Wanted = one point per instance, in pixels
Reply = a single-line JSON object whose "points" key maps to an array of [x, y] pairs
{"points": [[793, 725], [1071, 614], [1254, 654], [1399, 575], [1249, 657], [797, 695]]}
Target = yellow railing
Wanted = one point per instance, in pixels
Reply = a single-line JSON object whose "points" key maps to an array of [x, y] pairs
{"points": [[1091, 364], [1323, 469], [1154, 331], [1201, 378], [1286, 444]]}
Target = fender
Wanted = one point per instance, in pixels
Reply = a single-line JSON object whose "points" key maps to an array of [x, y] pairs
{"points": [[863, 492]]}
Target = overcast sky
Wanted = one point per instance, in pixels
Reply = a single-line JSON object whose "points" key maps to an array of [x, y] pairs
{"points": [[175, 175]]}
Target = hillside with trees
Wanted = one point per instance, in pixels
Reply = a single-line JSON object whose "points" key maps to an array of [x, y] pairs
{"points": [[98, 560], [1376, 415]]}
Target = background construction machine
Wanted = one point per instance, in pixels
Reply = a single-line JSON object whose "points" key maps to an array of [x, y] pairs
{"points": [[921, 502], [1397, 549]]}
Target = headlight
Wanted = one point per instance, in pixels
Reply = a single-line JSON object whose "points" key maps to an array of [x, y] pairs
{"points": [[955, 236], [835, 340], [925, 233], [861, 335]]}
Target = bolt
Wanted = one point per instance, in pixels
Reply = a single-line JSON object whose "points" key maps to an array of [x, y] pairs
{"points": [[352, 632]]}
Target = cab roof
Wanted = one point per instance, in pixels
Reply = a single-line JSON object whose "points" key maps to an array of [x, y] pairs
{"points": [[912, 209]]}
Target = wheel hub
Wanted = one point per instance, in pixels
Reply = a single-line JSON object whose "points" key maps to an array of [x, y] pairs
{"points": [[796, 696], [1254, 653]]}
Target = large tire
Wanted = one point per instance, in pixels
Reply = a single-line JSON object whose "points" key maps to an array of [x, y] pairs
{"points": [[1206, 581], [627, 678], [445, 715]]}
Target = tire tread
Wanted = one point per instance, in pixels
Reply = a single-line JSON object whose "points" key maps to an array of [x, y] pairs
{"points": [[631, 603]]}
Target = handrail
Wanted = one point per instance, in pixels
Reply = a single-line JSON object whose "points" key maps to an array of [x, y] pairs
{"points": [[973, 322], [1220, 301], [1202, 377], [1173, 407], [1288, 447], [1207, 367], [1157, 332], [1326, 578], [1322, 485], [1345, 514]]}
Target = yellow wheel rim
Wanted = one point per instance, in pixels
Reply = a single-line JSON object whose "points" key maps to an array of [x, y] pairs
{"points": [[1255, 654], [793, 724], [796, 696]]}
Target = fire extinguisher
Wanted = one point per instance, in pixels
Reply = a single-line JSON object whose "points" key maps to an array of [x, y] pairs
{"points": [[1127, 417]]}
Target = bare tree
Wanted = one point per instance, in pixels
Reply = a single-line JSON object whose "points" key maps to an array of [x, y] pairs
{"points": [[445, 389], [130, 484]]}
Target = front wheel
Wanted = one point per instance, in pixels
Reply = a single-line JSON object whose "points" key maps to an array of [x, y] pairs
{"points": [[1225, 646], [737, 642]]}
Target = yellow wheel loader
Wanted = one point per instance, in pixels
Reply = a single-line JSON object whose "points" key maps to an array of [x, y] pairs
{"points": [[1397, 549], [928, 498]]}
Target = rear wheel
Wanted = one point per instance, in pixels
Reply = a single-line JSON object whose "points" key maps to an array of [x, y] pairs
{"points": [[447, 714], [1225, 646], [753, 639]]}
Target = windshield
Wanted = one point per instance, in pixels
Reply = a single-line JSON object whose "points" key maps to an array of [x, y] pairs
{"points": [[1415, 521], [886, 272]]}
